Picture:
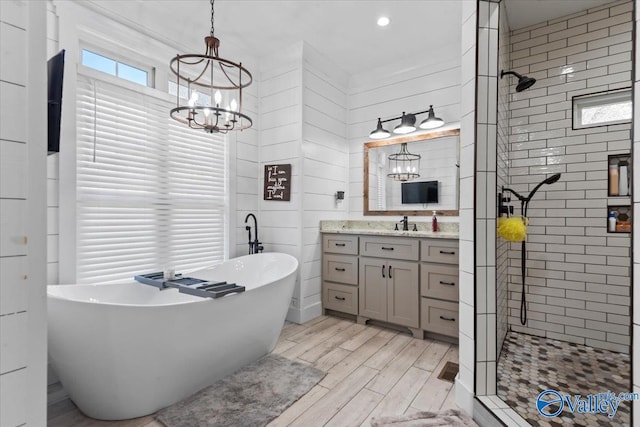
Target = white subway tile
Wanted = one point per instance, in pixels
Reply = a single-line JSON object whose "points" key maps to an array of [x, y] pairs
{"points": [[568, 33], [590, 17], [614, 20]]}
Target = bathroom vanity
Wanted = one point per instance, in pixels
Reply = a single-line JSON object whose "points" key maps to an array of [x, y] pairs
{"points": [[403, 278]]}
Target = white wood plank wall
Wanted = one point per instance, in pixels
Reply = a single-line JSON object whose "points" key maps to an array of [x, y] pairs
{"points": [[22, 213]]}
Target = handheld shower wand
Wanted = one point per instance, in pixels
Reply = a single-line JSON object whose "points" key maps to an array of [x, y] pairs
{"points": [[524, 206]]}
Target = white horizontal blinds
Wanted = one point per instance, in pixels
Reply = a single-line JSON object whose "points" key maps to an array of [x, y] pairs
{"points": [[151, 192]]}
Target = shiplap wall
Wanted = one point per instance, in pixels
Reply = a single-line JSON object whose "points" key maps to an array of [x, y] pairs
{"points": [[325, 160], [388, 91], [53, 208], [578, 275], [243, 164], [23, 210], [280, 222], [303, 122]]}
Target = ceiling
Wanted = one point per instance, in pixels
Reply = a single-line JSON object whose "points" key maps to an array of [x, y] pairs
{"points": [[523, 13], [344, 31]]}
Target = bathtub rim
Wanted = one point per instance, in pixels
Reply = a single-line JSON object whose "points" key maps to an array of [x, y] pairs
{"points": [[192, 299]]}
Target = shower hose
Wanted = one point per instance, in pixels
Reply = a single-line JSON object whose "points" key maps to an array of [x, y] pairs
{"points": [[524, 205]]}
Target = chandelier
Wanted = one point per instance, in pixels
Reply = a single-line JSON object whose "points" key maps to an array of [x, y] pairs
{"points": [[209, 89], [407, 124], [404, 166]]}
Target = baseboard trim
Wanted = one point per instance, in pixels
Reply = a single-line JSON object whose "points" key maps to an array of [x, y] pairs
{"points": [[297, 315]]}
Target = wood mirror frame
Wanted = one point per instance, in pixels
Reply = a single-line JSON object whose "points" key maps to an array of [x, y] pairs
{"points": [[393, 141]]}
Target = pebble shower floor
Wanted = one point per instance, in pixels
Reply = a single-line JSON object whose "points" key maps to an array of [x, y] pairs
{"points": [[529, 365]]}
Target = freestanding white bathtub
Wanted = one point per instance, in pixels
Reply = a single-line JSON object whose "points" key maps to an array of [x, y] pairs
{"points": [[127, 350]]}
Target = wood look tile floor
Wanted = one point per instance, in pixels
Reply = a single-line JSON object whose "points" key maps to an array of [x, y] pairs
{"points": [[371, 371]]}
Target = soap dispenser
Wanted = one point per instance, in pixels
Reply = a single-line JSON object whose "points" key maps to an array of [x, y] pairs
{"points": [[612, 222], [434, 222]]}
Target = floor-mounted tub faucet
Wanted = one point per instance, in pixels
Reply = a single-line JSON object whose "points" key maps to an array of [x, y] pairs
{"points": [[254, 245]]}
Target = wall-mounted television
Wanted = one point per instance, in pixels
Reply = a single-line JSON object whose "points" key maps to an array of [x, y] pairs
{"points": [[55, 74], [420, 192]]}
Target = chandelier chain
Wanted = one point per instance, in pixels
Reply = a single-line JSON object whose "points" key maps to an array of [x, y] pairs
{"points": [[212, 18]]}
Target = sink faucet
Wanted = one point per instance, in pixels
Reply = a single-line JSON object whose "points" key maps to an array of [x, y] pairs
{"points": [[405, 223], [254, 246]]}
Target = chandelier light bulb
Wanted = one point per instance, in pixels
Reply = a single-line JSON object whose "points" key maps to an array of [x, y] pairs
{"points": [[207, 111], [234, 105], [218, 97]]}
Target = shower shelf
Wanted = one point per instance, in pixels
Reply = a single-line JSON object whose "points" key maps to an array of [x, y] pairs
{"points": [[190, 285]]}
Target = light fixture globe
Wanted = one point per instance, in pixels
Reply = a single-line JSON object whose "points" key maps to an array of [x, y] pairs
{"points": [[379, 132], [407, 124], [403, 165], [431, 122], [213, 88]]}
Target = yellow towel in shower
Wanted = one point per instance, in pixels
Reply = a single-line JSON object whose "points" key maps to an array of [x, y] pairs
{"points": [[513, 229]]}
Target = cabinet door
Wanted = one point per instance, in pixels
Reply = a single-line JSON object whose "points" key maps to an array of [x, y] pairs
{"points": [[373, 288], [403, 293]]}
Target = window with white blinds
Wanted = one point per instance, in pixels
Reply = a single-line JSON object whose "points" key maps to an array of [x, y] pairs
{"points": [[150, 192]]}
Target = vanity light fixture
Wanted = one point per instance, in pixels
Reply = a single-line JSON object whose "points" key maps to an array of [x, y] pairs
{"points": [[403, 165], [407, 124], [213, 86]]}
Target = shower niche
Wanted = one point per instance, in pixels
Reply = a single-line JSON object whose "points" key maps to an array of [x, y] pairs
{"points": [[619, 176], [619, 189]]}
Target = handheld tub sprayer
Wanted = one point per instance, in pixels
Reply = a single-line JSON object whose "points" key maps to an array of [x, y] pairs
{"points": [[514, 230]]}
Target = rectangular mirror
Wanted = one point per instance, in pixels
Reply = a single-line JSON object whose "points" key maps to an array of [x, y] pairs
{"points": [[438, 175]]}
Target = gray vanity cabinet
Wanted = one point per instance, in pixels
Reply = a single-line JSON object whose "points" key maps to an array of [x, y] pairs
{"points": [[439, 288], [340, 273], [406, 281], [388, 291]]}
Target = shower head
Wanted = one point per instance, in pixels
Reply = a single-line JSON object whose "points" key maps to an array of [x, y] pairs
{"points": [[550, 180], [524, 82]]}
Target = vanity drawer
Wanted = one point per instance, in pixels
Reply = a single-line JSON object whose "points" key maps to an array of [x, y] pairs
{"points": [[439, 316], [340, 268], [340, 244], [439, 281], [390, 247], [444, 251], [343, 298]]}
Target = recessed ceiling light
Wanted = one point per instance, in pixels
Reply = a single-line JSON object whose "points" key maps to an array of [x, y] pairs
{"points": [[383, 21]]}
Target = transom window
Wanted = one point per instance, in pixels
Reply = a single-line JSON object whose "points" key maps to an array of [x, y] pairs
{"points": [[601, 109], [115, 68]]}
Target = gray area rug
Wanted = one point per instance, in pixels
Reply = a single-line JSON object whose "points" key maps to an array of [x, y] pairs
{"points": [[449, 418], [252, 396]]}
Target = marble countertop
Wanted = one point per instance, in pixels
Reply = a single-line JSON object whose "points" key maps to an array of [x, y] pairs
{"points": [[446, 230]]}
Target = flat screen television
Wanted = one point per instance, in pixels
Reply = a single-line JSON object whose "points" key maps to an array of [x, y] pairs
{"points": [[55, 74], [420, 192]]}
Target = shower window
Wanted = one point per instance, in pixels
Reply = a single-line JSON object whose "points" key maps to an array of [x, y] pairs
{"points": [[601, 109]]}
